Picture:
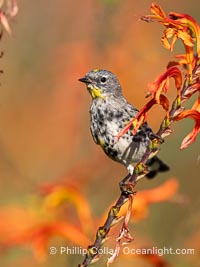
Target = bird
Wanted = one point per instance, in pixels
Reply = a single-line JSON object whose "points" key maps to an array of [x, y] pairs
{"points": [[109, 114]]}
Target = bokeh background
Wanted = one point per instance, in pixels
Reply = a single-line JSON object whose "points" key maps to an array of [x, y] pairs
{"points": [[44, 119]]}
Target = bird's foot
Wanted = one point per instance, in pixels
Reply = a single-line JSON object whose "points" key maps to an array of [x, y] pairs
{"points": [[126, 187]]}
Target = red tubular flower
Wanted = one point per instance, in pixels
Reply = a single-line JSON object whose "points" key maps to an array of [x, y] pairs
{"points": [[161, 83], [141, 116], [191, 26], [195, 115], [138, 120], [179, 26]]}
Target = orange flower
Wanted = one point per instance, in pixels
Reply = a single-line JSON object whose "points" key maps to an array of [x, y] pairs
{"points": [[195, 115], [144, 199], [190, 25], [39, 236], [161, 83], [56, 195], [138, 120], [38, 224], [179, 26]]}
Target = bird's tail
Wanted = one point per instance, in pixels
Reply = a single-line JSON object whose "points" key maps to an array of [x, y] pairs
{"points": [[156, 165]]}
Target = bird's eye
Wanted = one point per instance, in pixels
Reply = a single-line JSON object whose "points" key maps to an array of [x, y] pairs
{"points": [[103, 79]]}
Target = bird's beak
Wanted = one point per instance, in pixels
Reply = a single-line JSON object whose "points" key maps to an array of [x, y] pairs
{"points": [[84, 80]]}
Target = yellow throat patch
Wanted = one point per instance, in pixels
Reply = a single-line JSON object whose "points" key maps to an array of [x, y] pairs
{"points": [[94, 91]]}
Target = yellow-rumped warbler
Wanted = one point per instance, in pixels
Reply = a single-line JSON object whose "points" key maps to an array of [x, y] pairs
{"points": [[109, 114]]}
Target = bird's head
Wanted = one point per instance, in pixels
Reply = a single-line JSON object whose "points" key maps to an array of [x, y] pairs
{"points": [[102, 84]]}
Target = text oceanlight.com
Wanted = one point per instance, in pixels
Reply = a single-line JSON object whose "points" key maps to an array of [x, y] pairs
{"points": [[124, 250]]}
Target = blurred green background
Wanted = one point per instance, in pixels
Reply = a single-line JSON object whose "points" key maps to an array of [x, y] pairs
{"points": [[44, 119]]}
